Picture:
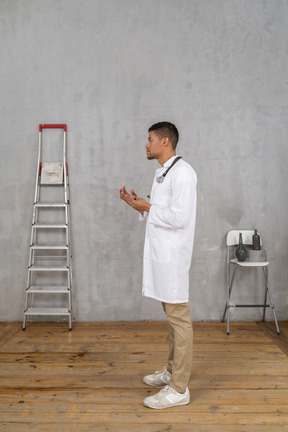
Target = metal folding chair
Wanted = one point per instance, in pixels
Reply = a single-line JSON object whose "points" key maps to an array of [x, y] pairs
{"points": [[232, 240]]}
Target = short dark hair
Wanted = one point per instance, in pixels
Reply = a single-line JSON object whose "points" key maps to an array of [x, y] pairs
{"points": [[166, 129]]}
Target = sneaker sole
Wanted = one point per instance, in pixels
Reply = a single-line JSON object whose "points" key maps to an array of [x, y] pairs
{"points": [[170, 406]]}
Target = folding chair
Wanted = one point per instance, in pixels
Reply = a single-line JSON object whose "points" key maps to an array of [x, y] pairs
{"points": [[232, 240]]}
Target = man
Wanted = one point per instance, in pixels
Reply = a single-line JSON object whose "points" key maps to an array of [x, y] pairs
{"points": [[170, 225]]}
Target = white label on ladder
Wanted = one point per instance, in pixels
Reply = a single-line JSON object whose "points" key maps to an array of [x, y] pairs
{"points": [[52, 173]]}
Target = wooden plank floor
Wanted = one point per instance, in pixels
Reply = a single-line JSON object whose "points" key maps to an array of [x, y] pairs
{"points": [[90, 379]]}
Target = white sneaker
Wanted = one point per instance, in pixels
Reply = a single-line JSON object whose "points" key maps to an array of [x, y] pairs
{"points": [[166, 398], [158, 378]]}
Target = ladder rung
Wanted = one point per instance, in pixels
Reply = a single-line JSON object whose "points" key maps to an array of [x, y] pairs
{"points": [[252, 305], [50, 225], [47, 268], [50, 204], [47, 311], [38, 246], [50, 258], [48, 289], [51, 184]]}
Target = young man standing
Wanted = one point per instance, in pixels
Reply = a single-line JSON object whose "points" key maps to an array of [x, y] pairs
{"points": [[170, 225]]}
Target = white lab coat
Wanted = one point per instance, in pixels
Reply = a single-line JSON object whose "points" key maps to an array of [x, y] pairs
{"points": [[170, 228]]}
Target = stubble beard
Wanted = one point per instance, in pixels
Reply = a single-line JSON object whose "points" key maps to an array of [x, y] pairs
{"points": [[150, 156]]}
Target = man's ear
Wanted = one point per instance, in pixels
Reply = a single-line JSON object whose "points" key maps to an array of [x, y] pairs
{"points": [[166, 142]]}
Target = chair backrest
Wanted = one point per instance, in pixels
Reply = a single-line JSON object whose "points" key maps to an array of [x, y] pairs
{"points": [[232, 238]]}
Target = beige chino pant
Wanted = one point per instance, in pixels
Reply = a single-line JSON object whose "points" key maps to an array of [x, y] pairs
{"points": [[180, 344]]}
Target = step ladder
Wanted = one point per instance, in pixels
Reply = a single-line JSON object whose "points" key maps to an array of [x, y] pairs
{"points": [[49, 280]]}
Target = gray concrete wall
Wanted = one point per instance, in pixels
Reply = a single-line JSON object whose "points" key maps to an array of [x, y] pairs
{"points": [[109, 69]]}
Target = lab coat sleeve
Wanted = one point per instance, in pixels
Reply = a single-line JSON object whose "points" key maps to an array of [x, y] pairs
{"points": [[143, 217], [178, 214]]}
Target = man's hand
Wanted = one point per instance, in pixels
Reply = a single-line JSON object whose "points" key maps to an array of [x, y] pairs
{"points": [[125, 196], [138, 204], [141, 205]]}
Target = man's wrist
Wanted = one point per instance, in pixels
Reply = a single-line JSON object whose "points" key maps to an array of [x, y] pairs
{"points": [[148, 207]]}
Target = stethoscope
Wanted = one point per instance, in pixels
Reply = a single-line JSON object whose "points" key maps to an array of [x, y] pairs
{"points": [[161, 178]]}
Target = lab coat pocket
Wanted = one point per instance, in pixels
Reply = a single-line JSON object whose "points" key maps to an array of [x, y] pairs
{"points": [[160, 250]]}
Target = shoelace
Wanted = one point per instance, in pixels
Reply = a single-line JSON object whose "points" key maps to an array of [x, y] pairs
{"points": [[166, 389], [165, 373], [162, 371]]}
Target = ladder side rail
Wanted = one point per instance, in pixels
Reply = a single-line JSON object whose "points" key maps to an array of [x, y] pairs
{"points": [[68, 232], [33, 230], [27, 293], [36, 196], [33, 241], [70, 295], [67, 183], [69, 291], [30, 275], [69, 252], [69, 245], [69, 236], [70, 276], [66, 195], [34, 217], [67, 214], [68, 221]]}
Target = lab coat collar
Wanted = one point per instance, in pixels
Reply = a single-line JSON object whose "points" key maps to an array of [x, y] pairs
{"points": [[169, 161]]}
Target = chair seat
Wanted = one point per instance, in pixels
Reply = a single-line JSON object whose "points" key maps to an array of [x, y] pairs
{"points": [[250, 263]]}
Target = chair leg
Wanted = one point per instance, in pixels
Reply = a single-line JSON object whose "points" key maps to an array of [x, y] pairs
{"points": [[224, 314], [227, 307], [228, 321], [266, 291], [271, 301]]}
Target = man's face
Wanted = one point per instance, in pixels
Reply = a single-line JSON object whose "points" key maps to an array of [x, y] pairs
{"points": [[154, 146]]}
